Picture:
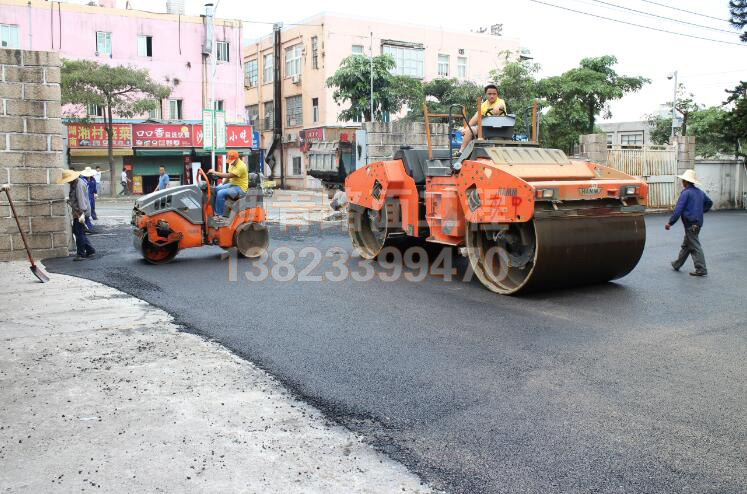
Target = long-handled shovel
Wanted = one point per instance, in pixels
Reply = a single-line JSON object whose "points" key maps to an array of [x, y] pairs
{"points": [[34, 269]]}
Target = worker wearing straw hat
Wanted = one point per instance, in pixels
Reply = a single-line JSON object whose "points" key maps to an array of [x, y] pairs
{"points": [[691, 205], [78, 201]]}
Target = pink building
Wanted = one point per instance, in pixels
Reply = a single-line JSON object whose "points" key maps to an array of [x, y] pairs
{"points": [[169, 46]]}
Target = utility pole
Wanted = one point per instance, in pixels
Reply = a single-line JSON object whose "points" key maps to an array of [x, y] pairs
{"points": [[278, 98], [370, 48], [674, 101], [211, 79]]}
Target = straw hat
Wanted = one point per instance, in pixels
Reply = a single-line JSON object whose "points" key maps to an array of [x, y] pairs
{"points": [[689, 176], [88, 172], [68, 176]]}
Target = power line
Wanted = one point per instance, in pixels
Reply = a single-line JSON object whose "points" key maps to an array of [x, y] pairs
{"points": [[663, 17], [683, 10], [640, 25]]}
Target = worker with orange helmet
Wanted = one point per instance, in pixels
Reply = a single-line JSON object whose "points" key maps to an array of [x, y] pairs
{"points": [[237, 182]]}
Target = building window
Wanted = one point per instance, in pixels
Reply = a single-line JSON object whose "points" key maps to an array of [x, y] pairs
{"points": [[252, 114], [219, 105], [9, 36], [145, 46], [294, 111], [462, 67], [175, 109], [409, 61], [314, 52], [224, 50], [269, 121], [296, 166], [269, 68], [357, 49], [610, 139], [443, 65], [155, 113], [631, 139], [95, 110], [251, 73], [103, 43], [315, 109], [293, 60]]}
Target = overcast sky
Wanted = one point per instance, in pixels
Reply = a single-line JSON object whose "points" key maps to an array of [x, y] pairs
{"points": [[558, 39]]}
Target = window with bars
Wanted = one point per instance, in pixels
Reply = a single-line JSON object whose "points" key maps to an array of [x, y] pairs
{"points": [[103, 43], [443, 65], [9, 36], [296, 170], [145, 46], [269, 120], [633, 139], [314, 52], [462, 67], [293, 111], [408, 61], [175, 109], [357, 49], [94, 110], [268, 68], [293, 60], [251, 73], [223, 51], [252, 114]]}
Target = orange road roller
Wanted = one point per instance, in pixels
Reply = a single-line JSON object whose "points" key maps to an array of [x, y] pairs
{"points": [[528, 218], [167, 221]]}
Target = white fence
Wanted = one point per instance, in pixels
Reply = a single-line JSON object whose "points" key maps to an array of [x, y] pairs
{"points": [[657, 165]]}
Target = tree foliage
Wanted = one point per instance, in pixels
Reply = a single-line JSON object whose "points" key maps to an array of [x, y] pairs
{"points": [[120, 91], [734, 122], [738, 18], [352, 85], [439, 95], [592, 85]]}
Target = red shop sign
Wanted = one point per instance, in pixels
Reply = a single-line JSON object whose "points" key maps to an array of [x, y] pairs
{"points": [[237, 136], [93, 135], [161, 136]]}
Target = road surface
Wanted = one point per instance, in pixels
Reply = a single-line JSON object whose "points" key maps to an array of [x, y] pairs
{"points": [[632, 386]]}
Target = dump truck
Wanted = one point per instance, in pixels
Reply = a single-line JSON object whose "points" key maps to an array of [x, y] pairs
{"points": [[528, 218]]}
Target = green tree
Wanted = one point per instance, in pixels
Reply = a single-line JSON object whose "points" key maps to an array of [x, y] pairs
{"points": [[706, 125], [121, 91], [439, 94], [593, 85], [352, 86], [562, 124], [738, 18], [518, 86], [733, 125]]}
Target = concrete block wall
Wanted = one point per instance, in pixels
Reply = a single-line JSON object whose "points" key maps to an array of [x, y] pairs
{"points": [[685, 153], [594, 147], [31, 158], [383, 139]]}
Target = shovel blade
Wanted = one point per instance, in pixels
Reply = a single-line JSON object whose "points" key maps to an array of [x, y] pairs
{"points": [[40, 274]]}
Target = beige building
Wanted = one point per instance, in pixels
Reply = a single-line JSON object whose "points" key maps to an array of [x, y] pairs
{"points": [[312, 52]]}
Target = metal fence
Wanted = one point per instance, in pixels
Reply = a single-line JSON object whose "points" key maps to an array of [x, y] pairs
{"points": [[657, 165]]}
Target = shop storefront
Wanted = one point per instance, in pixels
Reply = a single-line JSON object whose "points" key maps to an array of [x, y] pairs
{"points": [[87, 145]]}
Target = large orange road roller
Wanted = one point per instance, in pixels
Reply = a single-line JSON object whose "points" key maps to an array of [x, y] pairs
{"points": [[528, 218]]}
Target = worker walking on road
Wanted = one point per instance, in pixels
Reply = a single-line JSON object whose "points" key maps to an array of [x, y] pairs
{"points": [[78, 201], [691, 205]]}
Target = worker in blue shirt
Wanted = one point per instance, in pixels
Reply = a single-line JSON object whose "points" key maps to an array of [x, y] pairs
{"points": [[163, 180], [691, 205]]}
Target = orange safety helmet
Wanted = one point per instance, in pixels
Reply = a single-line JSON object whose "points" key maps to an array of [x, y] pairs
{"points": [[233, 155]]}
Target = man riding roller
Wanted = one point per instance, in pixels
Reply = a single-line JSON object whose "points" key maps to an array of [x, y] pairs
{"points": [[493, 106], [238, 181]]}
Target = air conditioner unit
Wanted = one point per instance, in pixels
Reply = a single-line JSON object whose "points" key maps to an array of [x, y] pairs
{"points": [[289, 138], [248, 82], [461, 51], [296, 79]]}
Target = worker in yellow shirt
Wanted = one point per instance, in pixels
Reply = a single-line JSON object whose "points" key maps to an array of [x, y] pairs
{"points": [[237, 181], [493, 106]]}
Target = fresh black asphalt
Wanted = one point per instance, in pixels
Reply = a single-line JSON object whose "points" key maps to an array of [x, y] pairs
{"points": [[638, 385]]}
